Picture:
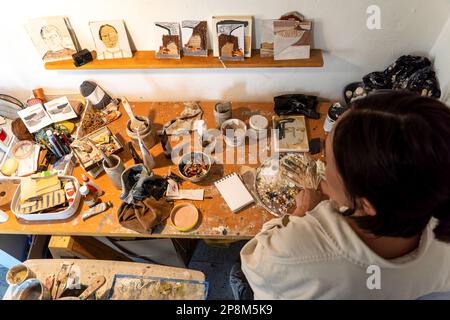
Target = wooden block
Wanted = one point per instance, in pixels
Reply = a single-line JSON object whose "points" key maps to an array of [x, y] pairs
{"points": [[63, 247]]}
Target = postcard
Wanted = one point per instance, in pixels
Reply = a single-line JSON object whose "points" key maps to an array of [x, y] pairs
{"points": [[168, 40], [292, 39], [230, 36], [35, 117], [52, 37], [111, 39], [60, 109], [195, 38]]}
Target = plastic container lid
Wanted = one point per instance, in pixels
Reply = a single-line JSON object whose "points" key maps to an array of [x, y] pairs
{"points": [[84, 190], [22, 149], [184, 216], [258, 122]]}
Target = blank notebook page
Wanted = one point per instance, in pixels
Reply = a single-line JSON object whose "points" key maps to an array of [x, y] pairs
{"points": [[234, 192]]}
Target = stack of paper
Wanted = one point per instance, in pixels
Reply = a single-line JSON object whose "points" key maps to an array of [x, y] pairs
{"points": [[234, 192], [37, 194]]}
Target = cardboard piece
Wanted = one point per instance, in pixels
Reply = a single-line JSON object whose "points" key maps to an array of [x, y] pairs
{"points": [[292, 39], [267, 38]]}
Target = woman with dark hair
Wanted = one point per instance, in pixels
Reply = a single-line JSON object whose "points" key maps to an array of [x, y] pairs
{"points": [[384, 233]]}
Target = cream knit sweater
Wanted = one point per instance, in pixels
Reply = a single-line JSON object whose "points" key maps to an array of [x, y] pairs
{"points": [[319, 256]]}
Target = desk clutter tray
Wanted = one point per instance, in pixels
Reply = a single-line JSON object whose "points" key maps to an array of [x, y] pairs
{"points": [[280, 178], [86, 149], [64, 208]]}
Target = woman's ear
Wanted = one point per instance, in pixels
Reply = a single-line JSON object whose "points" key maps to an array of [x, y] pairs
{"points": [[368, 208]]}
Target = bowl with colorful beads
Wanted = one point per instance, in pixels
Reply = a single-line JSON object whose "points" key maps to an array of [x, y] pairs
{"points": [[194, 166]]}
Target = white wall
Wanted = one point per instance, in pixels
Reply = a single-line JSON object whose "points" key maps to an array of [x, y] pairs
{"points": [[340, 29], [441, 54]]}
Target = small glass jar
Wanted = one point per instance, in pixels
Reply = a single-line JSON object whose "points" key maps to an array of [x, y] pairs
{"points": [[90, 198], [334, 113]]}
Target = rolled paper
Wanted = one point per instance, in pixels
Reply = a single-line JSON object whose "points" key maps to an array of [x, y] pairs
{"points": [[95, 94]]}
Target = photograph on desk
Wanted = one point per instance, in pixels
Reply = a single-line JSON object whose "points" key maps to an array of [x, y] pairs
{"points": [[35, 117], [39, 116], [289, 134], [167, 40], [60, 109], [53, 38], [111, 39]]}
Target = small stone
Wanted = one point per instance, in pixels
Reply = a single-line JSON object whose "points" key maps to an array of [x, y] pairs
{"points": [[359, 91], [348, 94]]}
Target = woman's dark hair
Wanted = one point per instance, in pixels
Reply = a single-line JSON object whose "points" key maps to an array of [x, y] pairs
{"points": [[393, 148]]}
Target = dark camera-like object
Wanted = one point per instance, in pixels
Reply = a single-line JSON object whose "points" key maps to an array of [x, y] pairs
{"points": [[82, 57], [291, 104]]}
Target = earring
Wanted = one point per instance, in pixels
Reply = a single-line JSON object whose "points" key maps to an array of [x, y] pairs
{"points": [[342, 209], [346, 211]]}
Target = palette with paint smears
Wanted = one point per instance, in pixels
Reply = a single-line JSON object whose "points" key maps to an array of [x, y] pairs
{"points": [[184, 216]]}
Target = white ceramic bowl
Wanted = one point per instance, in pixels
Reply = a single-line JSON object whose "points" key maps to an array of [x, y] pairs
{"points": [[194, 156], [239, 133]]}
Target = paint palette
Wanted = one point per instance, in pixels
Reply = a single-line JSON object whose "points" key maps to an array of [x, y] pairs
{"points": [[279, 179]]}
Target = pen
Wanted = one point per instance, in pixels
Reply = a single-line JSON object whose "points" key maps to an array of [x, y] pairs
{"points": [[63, 143], [64, 137], [52, 142], [60, 143]]}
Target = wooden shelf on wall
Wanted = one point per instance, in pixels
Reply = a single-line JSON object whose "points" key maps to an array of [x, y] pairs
{"points": [[147, 60]]}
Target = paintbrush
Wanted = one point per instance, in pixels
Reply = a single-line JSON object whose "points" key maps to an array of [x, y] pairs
{"points": [[136, 124]]}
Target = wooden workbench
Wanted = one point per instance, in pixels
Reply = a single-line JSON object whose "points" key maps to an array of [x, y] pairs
{"points": [[214, 212]]}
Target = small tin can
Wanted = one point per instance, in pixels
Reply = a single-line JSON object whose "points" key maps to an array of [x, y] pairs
{"points": [[222, 112], [333, 114]]}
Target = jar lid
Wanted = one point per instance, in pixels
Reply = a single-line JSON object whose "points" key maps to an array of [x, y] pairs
{"points": [[84, 190], [258, 122]]}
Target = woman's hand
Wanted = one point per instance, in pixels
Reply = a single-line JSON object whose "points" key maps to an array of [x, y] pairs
{"points": [[306, 200]]}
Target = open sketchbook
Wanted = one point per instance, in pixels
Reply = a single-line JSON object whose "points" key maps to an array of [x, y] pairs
{"points": [[37, 116]]}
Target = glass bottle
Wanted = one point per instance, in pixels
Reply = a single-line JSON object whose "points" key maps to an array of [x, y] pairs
{"points": [[166, 145], [90, 198]]}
